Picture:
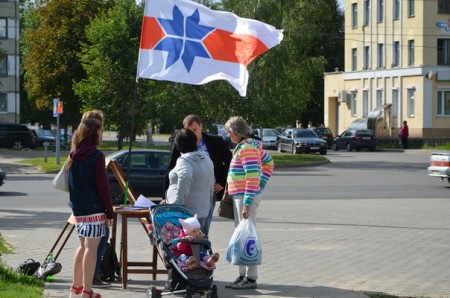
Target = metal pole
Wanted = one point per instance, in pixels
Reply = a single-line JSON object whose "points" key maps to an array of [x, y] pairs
{"points": [[57, 140]]}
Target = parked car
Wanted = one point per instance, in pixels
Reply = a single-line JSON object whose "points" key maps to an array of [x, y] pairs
{"points": [[146, 175], [440, 165], [298, 140], [16, 135], [219, 129], [325, 134], [62, 137], [43, 135], [269, 137], [355, 139], [2, 176]]}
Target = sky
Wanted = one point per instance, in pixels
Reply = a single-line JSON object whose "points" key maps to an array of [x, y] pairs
{"points": [[342, 3]]}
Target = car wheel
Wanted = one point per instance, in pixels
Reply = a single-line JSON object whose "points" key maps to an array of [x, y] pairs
{"points": [[117, 194], [323, 152], [335, 147], [358, 149], [448, 179], [280, 149], [18, 144], [349, 147], [294, 150]]}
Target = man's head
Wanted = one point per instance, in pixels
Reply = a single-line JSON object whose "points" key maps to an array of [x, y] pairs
{"points": [[404, 122], [194, 123]]}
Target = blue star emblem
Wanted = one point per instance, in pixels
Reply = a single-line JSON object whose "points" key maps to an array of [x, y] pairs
{"points": [[183, 38]]}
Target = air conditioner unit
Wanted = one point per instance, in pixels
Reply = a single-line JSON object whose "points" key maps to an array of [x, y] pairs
{"points": [[342, 96]]}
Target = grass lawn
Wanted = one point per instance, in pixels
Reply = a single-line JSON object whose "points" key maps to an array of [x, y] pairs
{"points": [[14, 284]]}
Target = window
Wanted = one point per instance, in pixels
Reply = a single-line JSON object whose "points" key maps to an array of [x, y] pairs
{"points": [[395, 103], [395, 53], [366, 17], [3, 102], [379, 97], [353, 103], [396, 10], [354, 15], [3, 28], [443, 6], [443, 103], [410, 102], [380, 55], [411, 11], [410, 52], [443, 51], [380, 12], [354, 59], [365, 103], [3, 66], [366, 57]]}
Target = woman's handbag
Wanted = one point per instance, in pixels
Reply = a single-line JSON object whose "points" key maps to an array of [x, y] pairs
{"points": [[61, 181], [226, 208], [245, 245], [29, 267]]}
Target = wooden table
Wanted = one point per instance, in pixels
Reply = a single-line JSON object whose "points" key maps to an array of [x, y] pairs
{"points": [[153, 265]]}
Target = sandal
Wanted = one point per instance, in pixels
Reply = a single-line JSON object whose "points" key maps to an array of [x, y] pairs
{"points": [[75, 292], [91, 294]]}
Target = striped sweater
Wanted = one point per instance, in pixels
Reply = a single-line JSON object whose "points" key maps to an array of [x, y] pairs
{"points": [[250, 169]]}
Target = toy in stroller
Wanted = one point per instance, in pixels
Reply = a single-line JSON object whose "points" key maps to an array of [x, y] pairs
{"points": [[196, 279]]}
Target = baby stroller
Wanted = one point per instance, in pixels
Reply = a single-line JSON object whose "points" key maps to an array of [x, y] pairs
{"points": [[165, 232]]}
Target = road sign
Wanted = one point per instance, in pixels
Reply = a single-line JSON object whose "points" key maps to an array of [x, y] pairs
{"points": [[57, 107]]}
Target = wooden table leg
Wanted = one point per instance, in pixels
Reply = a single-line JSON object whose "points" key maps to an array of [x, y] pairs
{"points": [[124, 251]]}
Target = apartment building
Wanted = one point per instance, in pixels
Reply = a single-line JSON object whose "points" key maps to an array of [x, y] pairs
{"points": [[9, 64], [397, 67]]}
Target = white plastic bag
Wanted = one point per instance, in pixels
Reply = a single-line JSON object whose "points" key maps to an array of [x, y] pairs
{"points": [[61, 180], [245, 245]]}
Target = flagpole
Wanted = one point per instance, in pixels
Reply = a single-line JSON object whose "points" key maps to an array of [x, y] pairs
{"points": [[133, 107]]}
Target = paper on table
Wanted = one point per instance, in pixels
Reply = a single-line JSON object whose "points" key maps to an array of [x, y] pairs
{"points": [[144, 202]]}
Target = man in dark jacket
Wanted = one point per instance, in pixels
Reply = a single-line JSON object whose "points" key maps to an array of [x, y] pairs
{"points": [[217, 150]]}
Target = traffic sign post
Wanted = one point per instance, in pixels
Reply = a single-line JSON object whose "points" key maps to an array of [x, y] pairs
{"points": [[57, 111]]}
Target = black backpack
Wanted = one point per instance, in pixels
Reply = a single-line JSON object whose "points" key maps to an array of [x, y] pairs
{"points": [[110, 265]]}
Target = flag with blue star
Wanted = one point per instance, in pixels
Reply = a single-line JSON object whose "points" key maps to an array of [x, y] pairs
{"points": [[183, 41]]}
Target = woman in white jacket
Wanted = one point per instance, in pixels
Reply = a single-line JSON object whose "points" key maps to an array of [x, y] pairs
{"points": [[192, 179]]}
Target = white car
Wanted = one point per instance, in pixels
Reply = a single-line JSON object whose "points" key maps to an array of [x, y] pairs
{"points": [[269, 137], [440, 165]]}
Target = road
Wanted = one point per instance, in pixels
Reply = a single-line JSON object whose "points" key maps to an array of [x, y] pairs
{"points": [[368, 221]]}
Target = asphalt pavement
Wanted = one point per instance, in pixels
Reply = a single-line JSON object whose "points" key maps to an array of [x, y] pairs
{"points": [[311, 248]]}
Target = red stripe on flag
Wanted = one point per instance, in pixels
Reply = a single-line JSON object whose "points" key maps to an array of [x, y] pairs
{"points": [[233, 47], [151, 33]]}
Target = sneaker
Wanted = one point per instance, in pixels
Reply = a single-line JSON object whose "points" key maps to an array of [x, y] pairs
{"points": [[238, 280], [245, 284], [99, 283]]}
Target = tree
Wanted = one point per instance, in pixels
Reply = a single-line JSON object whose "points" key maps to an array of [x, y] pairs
{"points": [[51, 43], [109, 57]]}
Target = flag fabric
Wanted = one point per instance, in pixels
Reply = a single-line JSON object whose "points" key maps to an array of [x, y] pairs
{"points": [[183, 41]]}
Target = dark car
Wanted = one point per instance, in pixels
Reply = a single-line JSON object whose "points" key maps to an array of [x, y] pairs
{"points": [[297, 140], [356, 139], [146, 175], [2, 176], [43, 135], [325, 134], [16, 135]]}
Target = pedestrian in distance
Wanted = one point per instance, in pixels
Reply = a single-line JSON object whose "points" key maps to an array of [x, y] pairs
{"points": [[404, 135], [216, 148], [250, 170], [90, 200]]}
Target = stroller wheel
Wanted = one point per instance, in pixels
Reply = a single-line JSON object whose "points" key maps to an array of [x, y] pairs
{"points": [[214, 292], [153, 292], [188, 293]]}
